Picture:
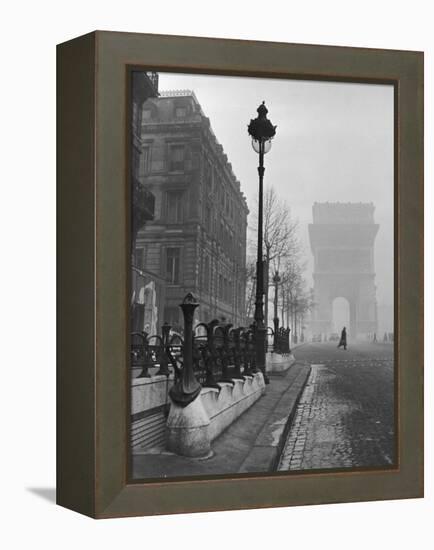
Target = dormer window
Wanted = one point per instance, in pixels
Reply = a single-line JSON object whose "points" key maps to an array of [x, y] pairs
{"points": [[181, 112], [146, 115]]}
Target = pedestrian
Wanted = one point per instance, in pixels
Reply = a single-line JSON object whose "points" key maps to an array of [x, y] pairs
{"points": [[375, 336], [343, 340]]}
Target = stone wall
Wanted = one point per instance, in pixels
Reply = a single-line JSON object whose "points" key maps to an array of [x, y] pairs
{"points": [[276, 362], [191, 429], [149, 406], [188, 430]]}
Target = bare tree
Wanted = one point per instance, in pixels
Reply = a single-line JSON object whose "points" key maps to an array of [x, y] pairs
{"points": [[280, 237], [296, 298], [250, 286]]}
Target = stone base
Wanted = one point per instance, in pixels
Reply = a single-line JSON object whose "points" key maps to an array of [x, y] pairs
{"points": [[226, 404], [190, 430], [275, 362]]}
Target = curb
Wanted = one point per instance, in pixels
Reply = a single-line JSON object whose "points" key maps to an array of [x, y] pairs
{"points": [[279, 450], [266, 451]]}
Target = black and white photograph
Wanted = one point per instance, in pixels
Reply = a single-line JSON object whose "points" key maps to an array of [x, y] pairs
{"points": [[225, 290], [262, 276]]}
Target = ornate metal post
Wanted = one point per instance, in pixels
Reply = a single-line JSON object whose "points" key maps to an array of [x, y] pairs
{"points": [[146, 355], [237, 352], [210, 355], [164, 359], [276, 281], [225, 353], [253, 349], [262, 131], [245, 352], [187, 388]]}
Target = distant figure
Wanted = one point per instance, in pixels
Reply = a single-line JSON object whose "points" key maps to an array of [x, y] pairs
{"points": [[375, 336], [343, 340]]}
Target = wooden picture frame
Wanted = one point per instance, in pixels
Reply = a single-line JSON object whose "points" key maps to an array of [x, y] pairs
{"points": [[93, 271]]}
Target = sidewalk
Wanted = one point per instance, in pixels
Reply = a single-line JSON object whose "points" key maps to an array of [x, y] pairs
{"points": [[253, 443]]}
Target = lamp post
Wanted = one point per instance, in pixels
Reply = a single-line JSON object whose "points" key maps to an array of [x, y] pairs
{"points": [[262, 132], [276, 281]]}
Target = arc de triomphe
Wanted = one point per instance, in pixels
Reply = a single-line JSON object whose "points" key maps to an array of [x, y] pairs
{"points": [[342, 239]]}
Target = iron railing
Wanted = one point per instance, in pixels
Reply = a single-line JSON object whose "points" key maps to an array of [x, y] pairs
{"points": [[153, 77], [281, 339], [219, 352]]}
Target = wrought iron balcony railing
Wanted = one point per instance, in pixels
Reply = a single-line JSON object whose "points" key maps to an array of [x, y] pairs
{"points": [[143, 201], [153, 78]]}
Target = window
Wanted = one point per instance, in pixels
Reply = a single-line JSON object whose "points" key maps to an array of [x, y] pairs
{"points": [[240, 297], [231, 244], [206, 277], [171, 316], [144, 160], [208, 176], [177, 157], [136, 162], [208, 219], [136, 120], [139, 259], [173, 257], [146, 114], [181, 112], [138, 317], [175, 207]]}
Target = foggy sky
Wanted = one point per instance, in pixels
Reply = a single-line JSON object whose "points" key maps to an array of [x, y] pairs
{"points": [[334, 142]]}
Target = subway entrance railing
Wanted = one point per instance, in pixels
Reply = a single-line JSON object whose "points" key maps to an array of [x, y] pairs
{"points": [[203, 355]]}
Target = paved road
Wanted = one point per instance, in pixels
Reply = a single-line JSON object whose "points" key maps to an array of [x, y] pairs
{"points": [[345, 417]]}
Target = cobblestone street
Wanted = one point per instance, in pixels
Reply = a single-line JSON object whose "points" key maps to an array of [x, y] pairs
{"points": [[345, 416]]}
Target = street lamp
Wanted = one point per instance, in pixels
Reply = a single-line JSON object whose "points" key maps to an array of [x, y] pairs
{"points": [[262, 132], [276, 281]]}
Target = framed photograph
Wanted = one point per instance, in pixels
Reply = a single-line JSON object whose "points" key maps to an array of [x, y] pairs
{"points": [[240, 274]]}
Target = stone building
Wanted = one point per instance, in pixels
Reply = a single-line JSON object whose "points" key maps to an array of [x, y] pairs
{"points": [[143, 86], [197, 239], [342, 238]]}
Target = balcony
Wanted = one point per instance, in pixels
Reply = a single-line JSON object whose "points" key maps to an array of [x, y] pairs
{"points": [[153, 80], [143, 206], [143, 201], [145, 85]]}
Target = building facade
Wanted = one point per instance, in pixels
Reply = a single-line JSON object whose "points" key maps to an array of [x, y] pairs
{"points": [[143, 86], [197, 239]]}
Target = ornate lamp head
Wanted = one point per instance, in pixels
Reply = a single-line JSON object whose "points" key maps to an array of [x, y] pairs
{"points": [[261, 130]]}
